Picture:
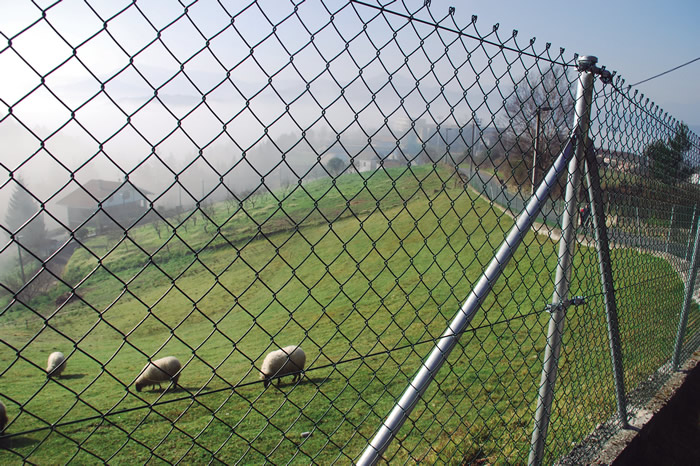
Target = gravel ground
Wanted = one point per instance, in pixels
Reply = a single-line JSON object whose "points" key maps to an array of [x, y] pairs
{"points": [[672, 437], [664, 431]]}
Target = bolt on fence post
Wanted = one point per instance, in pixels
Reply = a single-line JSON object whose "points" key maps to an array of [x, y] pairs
{"points": [[606, 278], [689, 290], [430, 367], [555, 331]]}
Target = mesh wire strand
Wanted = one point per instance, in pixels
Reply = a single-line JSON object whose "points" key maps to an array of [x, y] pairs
{"points": [[215, 180]]}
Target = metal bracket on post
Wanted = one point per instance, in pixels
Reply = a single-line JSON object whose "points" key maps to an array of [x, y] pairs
{"points": [[555, 332], [606, 277], [562, 307], [588, 65]]}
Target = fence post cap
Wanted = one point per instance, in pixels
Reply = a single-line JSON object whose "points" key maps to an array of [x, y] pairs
{"points": [[586, 62]]}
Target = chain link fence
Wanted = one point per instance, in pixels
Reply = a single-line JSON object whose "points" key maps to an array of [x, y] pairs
{"points": [[218, 180]]}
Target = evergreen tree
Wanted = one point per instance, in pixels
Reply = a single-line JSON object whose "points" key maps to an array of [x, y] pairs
{"points": [[680, 142], [22, 207], [666, 161]]}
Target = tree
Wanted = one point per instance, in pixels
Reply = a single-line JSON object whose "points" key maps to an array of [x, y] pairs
{"points": [[231, 202], [660, 161], [335, 166], [666, 161], [680, 142], [30, 232], [157, 224], [208, 212], [548, 94]]}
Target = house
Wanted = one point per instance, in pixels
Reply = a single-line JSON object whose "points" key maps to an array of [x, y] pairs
{"points": [[369, 160], [102, 203], [622, 161], [366, 161]]}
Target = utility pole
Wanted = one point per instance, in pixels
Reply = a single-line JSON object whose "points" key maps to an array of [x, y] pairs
{"points": [[447, 141]]}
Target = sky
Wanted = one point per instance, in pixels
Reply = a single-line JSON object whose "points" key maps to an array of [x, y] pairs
{"points": [[116, 88], [638, 39]]}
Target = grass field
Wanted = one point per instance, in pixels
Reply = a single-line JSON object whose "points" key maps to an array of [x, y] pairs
{"points": [[364, 291]]}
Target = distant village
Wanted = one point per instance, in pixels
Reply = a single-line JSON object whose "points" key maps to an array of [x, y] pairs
{"points": [[128, 202]]}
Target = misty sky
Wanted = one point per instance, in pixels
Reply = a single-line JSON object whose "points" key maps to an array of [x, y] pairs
{"points": [[636, 38], [165, 81]]}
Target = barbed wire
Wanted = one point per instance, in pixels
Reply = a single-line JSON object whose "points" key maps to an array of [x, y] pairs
{"points": [[461, 33]]}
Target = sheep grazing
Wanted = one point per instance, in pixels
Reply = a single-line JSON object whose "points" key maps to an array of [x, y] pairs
{"points": [[56, 364], [158, 372], [3, 417], [289, 360]]}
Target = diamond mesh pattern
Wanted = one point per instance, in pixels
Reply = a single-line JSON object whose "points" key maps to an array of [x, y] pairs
{"points": [[215, 180]]}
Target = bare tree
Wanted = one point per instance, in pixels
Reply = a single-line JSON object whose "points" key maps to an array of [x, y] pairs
{"points": [[255, 197], [178, 220], [207, 211], [286, 188], [545, 96], [157, 224], [231, 202]]}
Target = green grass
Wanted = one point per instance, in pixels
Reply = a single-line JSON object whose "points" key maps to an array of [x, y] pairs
{"points": [[364, 291]]}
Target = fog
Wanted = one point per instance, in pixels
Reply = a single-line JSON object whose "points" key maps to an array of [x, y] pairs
{"points": [[196, 107]]}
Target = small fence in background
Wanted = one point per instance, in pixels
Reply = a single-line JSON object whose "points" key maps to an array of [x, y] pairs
{"points": [[219, 181]]}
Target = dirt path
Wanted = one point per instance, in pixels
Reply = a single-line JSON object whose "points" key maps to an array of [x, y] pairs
{"points": [[681, 266]]}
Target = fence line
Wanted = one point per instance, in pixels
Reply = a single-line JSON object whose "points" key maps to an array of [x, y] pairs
{"points": [[215, 182]]}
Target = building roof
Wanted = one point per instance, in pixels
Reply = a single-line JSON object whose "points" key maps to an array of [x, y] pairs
{"points": [[99, 190], [367, 154]]}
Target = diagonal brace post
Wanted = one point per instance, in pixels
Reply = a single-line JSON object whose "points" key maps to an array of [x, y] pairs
{"points": [[430, 367], [603, 248]]}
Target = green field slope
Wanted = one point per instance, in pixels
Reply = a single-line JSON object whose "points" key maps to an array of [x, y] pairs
{"points": [[364, 272]]}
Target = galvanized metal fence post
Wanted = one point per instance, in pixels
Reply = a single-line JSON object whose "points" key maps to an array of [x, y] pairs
{"points": [[690, 233], [481, 290], [555, 331], [639, 227], [670, 228], [606, 278], [689, 290]]}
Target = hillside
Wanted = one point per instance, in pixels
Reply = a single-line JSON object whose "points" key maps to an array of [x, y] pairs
{"points": [[364, 290]]}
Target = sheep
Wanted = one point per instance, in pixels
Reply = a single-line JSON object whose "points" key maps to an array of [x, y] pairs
{"points": [[286, 361], [163, 370], [56, 364], [3, 417]]}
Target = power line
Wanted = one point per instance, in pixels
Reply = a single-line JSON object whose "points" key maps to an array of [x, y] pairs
{"points": [[666, 72]]}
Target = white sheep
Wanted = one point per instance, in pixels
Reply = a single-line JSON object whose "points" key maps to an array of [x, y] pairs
{"points": [[159, 371], [286, 361], [56, 364], [3, 417]]}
